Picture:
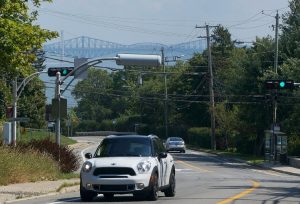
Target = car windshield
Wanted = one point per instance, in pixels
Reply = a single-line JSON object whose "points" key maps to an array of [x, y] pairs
{"points": [[176, 139], [124, 147]]}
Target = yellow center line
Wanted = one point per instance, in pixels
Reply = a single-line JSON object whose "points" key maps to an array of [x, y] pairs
{"points": [[240, 195], [192, 166]]}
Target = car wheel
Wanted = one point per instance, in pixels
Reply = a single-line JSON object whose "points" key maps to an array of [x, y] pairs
{"points": [[170, 191], [183, 151], [153, 193], [108, 196], [86, 195]]}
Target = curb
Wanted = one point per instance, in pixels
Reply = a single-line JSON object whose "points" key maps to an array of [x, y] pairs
{"points": [[69, 189], [246, 162]]}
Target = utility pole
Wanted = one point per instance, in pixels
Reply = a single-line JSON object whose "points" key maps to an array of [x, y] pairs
{"points": [[211, 88], [166, 92], [57, 95], [276, 42], [275, 94]]}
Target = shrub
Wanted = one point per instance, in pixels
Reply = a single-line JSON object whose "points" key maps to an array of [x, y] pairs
{"points": [[64, 156], [294, 146], [199, 136]]}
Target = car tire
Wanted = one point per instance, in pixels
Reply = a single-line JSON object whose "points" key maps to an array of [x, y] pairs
{"points": [[153, 192], [183, 151], [108, 196], [171, 190], [86, 195]]}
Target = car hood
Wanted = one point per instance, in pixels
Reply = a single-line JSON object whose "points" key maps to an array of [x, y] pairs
{"points": [[117, 161]]}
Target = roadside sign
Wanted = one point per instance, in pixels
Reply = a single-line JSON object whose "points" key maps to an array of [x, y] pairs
{"points": [[55, 107]]}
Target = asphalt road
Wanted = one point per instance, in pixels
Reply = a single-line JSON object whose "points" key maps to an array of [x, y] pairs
{"points": [[205, 178]]}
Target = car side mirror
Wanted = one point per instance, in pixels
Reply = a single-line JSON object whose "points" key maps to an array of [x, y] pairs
{"points": [[162, 155], [88, 156]]}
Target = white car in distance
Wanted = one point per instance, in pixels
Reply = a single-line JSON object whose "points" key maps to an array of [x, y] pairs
{"points": [[130, 164]]}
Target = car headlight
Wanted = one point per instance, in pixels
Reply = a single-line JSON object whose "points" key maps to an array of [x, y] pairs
{"points": [[144, 167], [87, 166]]}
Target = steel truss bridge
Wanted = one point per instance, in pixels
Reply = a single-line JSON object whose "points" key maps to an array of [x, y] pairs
{"points": [[90, 47]]}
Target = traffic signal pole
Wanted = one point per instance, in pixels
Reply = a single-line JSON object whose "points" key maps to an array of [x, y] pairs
{"points": [[57, 95]]}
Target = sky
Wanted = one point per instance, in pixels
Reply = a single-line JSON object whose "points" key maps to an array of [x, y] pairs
{"points": [[160, 21]]}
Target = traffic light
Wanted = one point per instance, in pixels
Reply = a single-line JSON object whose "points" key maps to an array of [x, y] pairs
{"points": [[279, 84], [64, 71]]}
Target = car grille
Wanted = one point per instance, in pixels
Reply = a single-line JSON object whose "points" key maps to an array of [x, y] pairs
{"points": [[114, 188], [114, 171]]}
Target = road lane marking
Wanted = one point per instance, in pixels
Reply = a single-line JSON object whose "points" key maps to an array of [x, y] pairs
{"points": [[242, 194], [192, 166]]}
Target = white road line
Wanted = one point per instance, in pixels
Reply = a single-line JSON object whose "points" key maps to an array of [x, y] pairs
{"points": [[183, 170]]}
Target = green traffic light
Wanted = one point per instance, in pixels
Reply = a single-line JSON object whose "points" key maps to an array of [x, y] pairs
{"points": [[282, 84], [64, 72]]}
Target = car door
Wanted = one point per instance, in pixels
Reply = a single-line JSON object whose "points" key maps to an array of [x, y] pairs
{"points": [[162, 161]]}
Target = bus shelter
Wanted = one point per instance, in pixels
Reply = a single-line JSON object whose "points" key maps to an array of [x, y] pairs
{"points": [[275, 146]]}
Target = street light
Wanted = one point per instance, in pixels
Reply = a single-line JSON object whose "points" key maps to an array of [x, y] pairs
{"points": [[121, 59], [17, 90]]}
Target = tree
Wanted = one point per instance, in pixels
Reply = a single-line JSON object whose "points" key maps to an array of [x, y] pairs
{"points": [[19, 40], [290, 37]]}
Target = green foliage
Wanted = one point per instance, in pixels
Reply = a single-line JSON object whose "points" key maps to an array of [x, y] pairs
{"points": [[199, 136], [290, 37], [29, 135], [20, 40], [294, 145], [35, 111], [66, 159]]}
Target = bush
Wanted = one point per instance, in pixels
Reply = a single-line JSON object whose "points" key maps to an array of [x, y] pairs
{"points": [[199, 136], [64, 156], [294, 146]]}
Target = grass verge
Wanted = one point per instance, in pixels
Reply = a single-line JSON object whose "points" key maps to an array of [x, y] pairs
{"points": [[18, 166], [41, 135]]}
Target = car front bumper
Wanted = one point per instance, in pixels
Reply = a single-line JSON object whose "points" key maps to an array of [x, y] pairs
{"points": [[128, 184], [176, 148]]}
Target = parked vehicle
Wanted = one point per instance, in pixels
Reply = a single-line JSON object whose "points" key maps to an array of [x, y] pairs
{"points": [[128, 164]]}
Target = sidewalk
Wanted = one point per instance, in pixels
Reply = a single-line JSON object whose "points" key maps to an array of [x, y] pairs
{"points": [[25, 190], [281, 168]]}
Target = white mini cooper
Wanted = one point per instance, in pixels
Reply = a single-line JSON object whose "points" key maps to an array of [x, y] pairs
{"points": [[130, 164]]}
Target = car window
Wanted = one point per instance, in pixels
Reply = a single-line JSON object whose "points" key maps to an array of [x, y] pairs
{"points": [[175, 139], [116, 147]]}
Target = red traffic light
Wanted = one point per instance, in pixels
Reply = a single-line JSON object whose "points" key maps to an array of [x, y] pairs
{"points": [[64, 71], [279, 84]]}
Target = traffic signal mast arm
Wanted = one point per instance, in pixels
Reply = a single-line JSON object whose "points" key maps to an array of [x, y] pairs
{"points": [[280, 84], [88, 64]]}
